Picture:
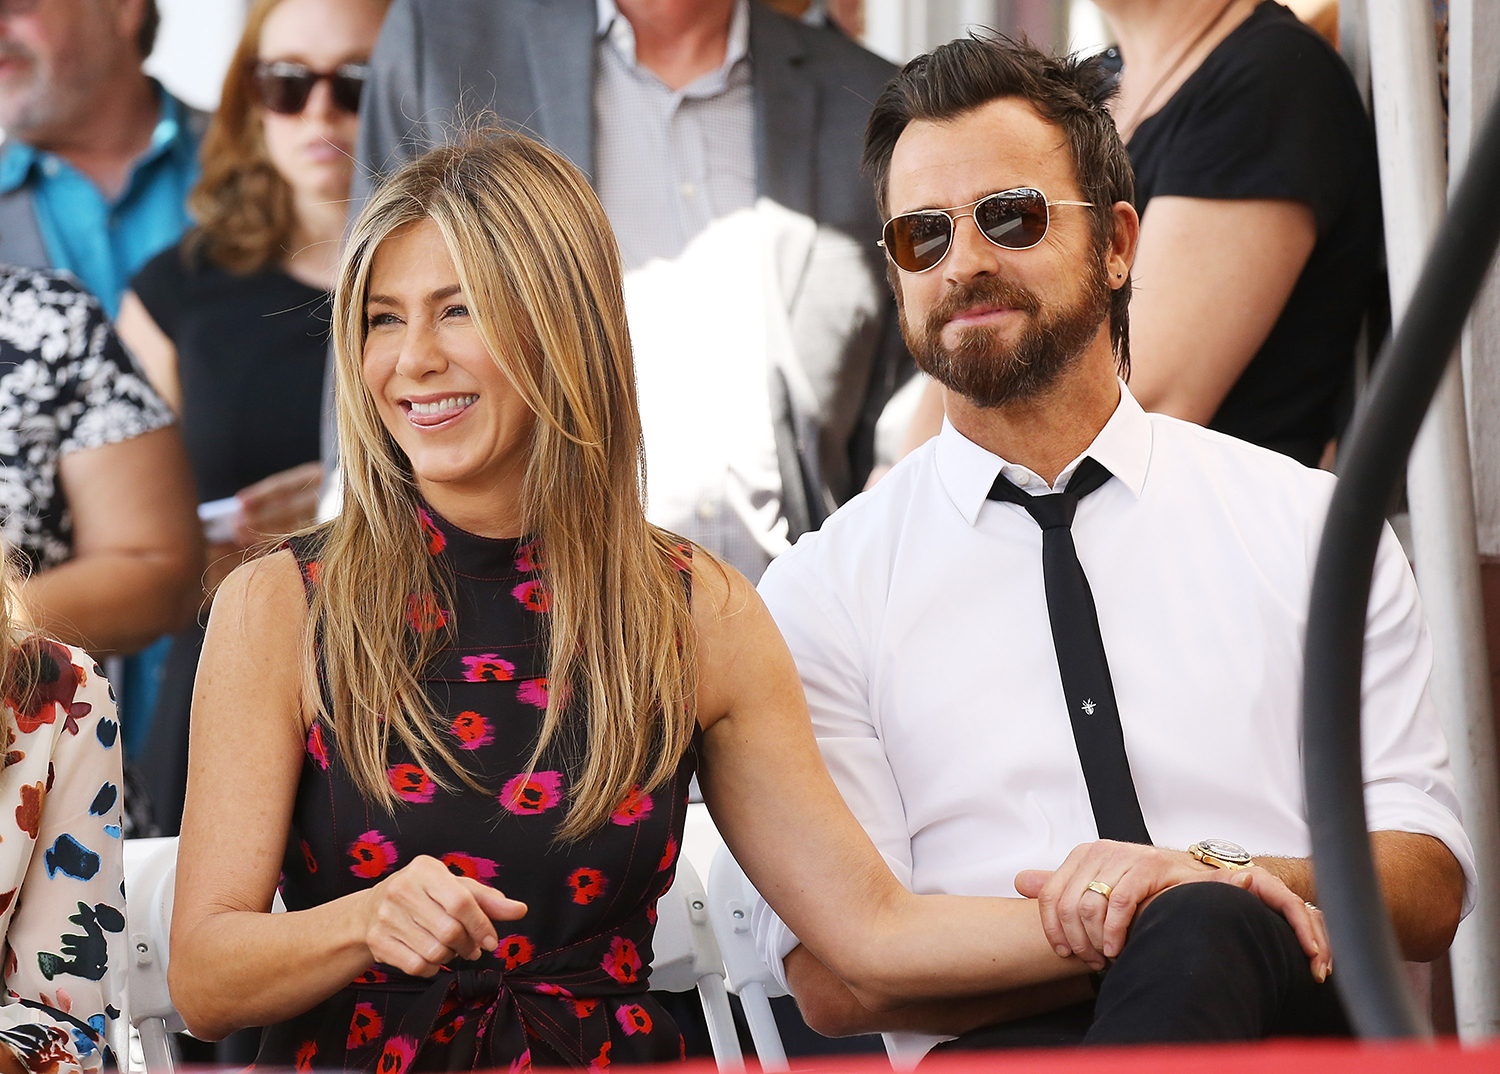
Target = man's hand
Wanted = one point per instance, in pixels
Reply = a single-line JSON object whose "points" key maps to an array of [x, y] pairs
{"points": [[1080, 920]]}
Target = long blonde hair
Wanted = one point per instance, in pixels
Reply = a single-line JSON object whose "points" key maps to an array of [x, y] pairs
{"points": [[541, 274]]}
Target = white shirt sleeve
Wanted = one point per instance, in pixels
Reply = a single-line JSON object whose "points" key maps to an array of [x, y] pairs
{"points": [[1409, 786], [824, 643]]}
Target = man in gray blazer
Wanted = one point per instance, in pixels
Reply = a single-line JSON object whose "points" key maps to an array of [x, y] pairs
{"points": [[724, 141]]}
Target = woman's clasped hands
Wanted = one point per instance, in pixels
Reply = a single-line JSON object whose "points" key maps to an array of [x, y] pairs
{"points": [[422, 917]]}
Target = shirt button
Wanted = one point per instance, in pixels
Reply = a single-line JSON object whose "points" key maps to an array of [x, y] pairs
{"points": [[689, 190], [706, 510], [49, 167]]}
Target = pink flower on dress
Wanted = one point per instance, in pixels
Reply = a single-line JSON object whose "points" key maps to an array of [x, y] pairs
{"points": [[424, 614], [472, 730], [436, 542], [622, 961], [533, 692], [373, 855], [410, 783], [514, 951], [529, 795], [669, 855], [587, 884], [529, 556], [365, 1026], [482, 869], [633, 1019], [534, 594], [488, 667], [315, 747], [635, 807], [600, 1063], [398, 1054]]}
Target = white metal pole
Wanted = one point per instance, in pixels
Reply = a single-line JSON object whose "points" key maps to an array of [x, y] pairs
{"points": [[1409, 127]]}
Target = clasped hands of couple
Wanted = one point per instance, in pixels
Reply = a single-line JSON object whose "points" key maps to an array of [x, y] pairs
{"points": [[1081, 919], [423, 916]]}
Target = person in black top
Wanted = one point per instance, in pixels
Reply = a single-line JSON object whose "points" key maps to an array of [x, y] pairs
{"points": [[1256, 179], [231, 325]]}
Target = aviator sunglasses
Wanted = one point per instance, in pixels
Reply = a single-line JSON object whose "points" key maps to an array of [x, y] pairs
{"points": [[284, 86], [1011, 219]]}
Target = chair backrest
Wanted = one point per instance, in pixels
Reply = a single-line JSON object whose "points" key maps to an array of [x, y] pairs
{"points": [[685, 956], [150, 877], [731, 897]]}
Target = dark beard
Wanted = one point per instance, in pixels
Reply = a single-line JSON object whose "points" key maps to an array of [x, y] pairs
{"points": [[990, 373]]}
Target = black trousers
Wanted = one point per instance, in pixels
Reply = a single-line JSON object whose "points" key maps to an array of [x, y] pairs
{"points": [[1204, 962]]}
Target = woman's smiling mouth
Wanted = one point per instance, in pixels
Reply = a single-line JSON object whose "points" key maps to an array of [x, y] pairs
{"points": [[431, 412]]}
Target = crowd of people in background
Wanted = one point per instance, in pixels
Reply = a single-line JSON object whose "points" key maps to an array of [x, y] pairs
{"points": [[183, 317]]}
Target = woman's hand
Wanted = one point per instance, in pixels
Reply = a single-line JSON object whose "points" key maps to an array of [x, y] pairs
{"points": [[422, 916], [281, 503], [1084, 922]]}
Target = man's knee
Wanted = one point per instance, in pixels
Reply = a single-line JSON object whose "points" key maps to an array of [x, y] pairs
{"points": [[1196, 921]]}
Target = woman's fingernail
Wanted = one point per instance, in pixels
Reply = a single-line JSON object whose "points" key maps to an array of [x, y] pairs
{"points": [[490, 943], [1063, 949]]}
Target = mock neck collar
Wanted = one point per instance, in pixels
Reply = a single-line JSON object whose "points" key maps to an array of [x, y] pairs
{"points": [[967, 470], [472, 555]]}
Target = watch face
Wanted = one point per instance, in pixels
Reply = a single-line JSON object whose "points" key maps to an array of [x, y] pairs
{"points": [[1224, 850]]}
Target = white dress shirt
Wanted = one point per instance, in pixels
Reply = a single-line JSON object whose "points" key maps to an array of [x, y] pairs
{"points": [[675, 171], [919, 625]]}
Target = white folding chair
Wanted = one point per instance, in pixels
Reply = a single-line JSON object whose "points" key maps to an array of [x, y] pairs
{"points": [[150, 875], [730, 899], [687, 957]]}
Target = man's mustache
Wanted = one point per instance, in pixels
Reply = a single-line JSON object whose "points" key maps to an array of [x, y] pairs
{"points": [[986, 291]]}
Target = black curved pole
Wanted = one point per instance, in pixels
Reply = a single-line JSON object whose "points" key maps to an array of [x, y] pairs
{"points": [[1368, 968]]}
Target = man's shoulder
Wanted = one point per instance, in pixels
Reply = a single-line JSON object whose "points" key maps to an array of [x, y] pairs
{"points": [[857, 544], [1248, 476]]}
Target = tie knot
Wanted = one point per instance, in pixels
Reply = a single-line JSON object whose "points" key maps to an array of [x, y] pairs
{"points": [[1054, 510]]}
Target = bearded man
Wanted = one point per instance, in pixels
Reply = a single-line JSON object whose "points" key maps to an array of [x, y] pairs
{"points": [[1056, 653]]}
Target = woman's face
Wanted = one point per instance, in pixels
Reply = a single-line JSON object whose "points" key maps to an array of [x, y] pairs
{"points": [[437, 388], [314, 150]]}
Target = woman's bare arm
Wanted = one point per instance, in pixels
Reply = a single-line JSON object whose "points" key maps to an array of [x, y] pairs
{"points": [[1210, 280], [137, 547], [152, 347], [782, 817], [234, 963]]}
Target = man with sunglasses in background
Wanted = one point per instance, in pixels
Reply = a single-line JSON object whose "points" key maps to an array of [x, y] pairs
{"points": [[98, 158], [1057, 651]]}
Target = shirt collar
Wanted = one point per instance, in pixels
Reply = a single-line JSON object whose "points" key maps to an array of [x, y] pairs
{"points": [[621, 35], [17, 159], [967, 470]]}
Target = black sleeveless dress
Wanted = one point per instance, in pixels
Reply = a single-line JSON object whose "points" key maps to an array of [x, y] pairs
{"points": [[567, 985]]}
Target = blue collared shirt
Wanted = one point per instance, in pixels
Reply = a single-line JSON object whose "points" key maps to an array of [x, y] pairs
{"points": [[104, 242]]}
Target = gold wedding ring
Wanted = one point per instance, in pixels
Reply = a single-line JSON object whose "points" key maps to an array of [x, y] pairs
{"points": [[1101, 887]]}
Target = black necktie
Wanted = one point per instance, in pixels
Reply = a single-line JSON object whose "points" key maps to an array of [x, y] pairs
{"points": [[1080, 655]]}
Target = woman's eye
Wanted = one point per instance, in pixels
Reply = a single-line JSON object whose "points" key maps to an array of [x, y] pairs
{"points": [[456, 311], [379, 320]]}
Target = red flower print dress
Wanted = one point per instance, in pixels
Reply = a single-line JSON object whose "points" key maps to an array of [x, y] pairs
{"points": [[567, 985]]}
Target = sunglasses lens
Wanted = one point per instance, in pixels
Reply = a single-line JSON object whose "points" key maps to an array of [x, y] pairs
{"points": [[1014, 219], [348, 84], [917, 241], [284, 87]]}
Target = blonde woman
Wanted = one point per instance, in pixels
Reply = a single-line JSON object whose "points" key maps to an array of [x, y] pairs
{"points": [[62, 911], [459, 721]]}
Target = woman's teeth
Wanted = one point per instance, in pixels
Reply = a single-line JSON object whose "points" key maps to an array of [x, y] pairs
{"points": [[454, 402]]}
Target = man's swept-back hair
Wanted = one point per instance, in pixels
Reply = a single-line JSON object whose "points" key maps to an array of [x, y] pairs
{"points": [[541, 276], [1072, 92]]}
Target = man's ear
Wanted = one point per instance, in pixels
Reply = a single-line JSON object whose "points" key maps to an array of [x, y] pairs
{"points": [[1122, 247]]}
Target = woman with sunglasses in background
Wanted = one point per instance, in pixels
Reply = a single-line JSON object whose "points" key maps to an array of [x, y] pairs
{"points": [[231, 325]]}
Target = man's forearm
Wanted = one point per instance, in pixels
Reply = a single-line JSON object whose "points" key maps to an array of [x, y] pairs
{"points": [[1422, 882]]}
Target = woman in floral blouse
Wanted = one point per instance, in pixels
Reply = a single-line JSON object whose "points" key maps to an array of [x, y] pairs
{"points": [[62, 910]]}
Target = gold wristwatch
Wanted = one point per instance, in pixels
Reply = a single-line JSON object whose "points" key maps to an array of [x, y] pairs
{"points": [[1221, 854]]}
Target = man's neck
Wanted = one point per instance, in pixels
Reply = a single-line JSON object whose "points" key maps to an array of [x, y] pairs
{"points": [[1049, 431], [679, 40], [106, 140]]}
